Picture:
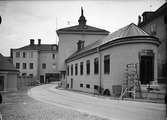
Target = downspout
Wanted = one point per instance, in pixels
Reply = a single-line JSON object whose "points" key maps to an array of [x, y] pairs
{"points": [[100, 71]]}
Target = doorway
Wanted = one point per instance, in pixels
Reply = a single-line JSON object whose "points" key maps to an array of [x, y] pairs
{"points": [[1, 83], [146, 69], [41, 78]]}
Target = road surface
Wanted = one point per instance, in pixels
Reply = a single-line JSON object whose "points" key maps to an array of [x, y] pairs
{"points": [[102, 107]]}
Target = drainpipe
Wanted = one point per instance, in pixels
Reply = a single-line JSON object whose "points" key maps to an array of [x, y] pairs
{"points": [[100, 71]]}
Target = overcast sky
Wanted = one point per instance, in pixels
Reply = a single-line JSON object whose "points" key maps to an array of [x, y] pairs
{"points": [[24, 20]]}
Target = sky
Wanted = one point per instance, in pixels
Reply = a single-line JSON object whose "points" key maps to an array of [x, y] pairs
{"points": [[39, 19]]}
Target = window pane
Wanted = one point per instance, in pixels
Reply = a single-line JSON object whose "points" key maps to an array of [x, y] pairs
{"points": [[107, 64], [17, 65], [17, 54], [24, 66], [81, 68], [96, 66], [43, 66], [31, 66], [76, 69], [88, 67]]}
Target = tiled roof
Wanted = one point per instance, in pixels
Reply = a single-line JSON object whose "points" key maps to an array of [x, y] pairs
{"points": [[6, 64], [42, 47], [131, 30], [82, 29]]}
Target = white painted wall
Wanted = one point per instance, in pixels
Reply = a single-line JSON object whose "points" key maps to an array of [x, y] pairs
{"points": [[68, 45], [120, 56], [51, 65], [26, 60]]}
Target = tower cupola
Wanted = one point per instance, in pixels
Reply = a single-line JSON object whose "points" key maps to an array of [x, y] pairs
{"points": [[82, 20]]}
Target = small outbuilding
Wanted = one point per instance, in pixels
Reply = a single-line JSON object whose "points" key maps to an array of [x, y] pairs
{"points": [[8, 75]]}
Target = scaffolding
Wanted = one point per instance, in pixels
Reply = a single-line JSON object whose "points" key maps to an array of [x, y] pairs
{"points": [[131, 85]]}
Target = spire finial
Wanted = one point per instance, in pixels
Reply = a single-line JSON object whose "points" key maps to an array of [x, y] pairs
{"points": [[82, 20], [81, 11]]}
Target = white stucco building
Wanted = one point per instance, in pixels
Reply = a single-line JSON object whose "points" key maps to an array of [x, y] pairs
{"points": [[68, 37], [102, 64], [37, 61]]}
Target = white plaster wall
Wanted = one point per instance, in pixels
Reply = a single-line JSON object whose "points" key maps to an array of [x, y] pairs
{"points": [[120, 56], [26, 60], [46, 57], [68, 45], [92, 79]]}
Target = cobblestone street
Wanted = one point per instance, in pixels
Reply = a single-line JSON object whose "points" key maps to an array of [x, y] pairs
{"points": [[18, 106]]}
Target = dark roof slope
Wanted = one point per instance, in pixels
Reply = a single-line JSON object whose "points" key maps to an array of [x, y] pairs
{"points": [[160, 11], [77, 29], [128, 31], [42, 47], [6, 64]]}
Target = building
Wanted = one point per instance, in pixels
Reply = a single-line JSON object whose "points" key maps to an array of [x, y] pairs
{"points": [[8, 75], [102, 64], [68, 37], [37, 61], [155, 23]]}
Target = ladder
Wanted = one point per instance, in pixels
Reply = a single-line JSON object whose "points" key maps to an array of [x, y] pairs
{"points": [[132, 84]]}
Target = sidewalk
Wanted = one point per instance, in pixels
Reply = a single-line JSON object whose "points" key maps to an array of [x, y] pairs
{"points": [[149, 100]]}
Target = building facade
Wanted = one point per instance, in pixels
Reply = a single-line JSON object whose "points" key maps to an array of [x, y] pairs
{"points": [[8, 75], [37, 61], [70, 36], [104, 63], [155, 23]]}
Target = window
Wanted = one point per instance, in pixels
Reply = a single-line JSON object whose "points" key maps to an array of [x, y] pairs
{"points": [[43, 66], [17, 65], [17, 54], [71, 70], [87, 86], [107, 64], [68, 70], [53, 56], [31, 54], [24, 55], [81, 68], [24, 65], [88, 67], [31, 65], [76, 69], [95, 87], [96, 66], [81, 85]]}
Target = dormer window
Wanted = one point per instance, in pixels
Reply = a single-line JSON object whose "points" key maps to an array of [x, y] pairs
{"points": [[80, 44]]}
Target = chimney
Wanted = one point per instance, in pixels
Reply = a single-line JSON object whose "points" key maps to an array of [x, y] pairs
{"points": [[39, 41], [80, 44], [31, 41]]}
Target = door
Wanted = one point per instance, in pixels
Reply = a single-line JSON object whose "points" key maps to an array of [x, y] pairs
{"points": [[146, 69], [1, 83], [41, 78], [71, 83]]}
